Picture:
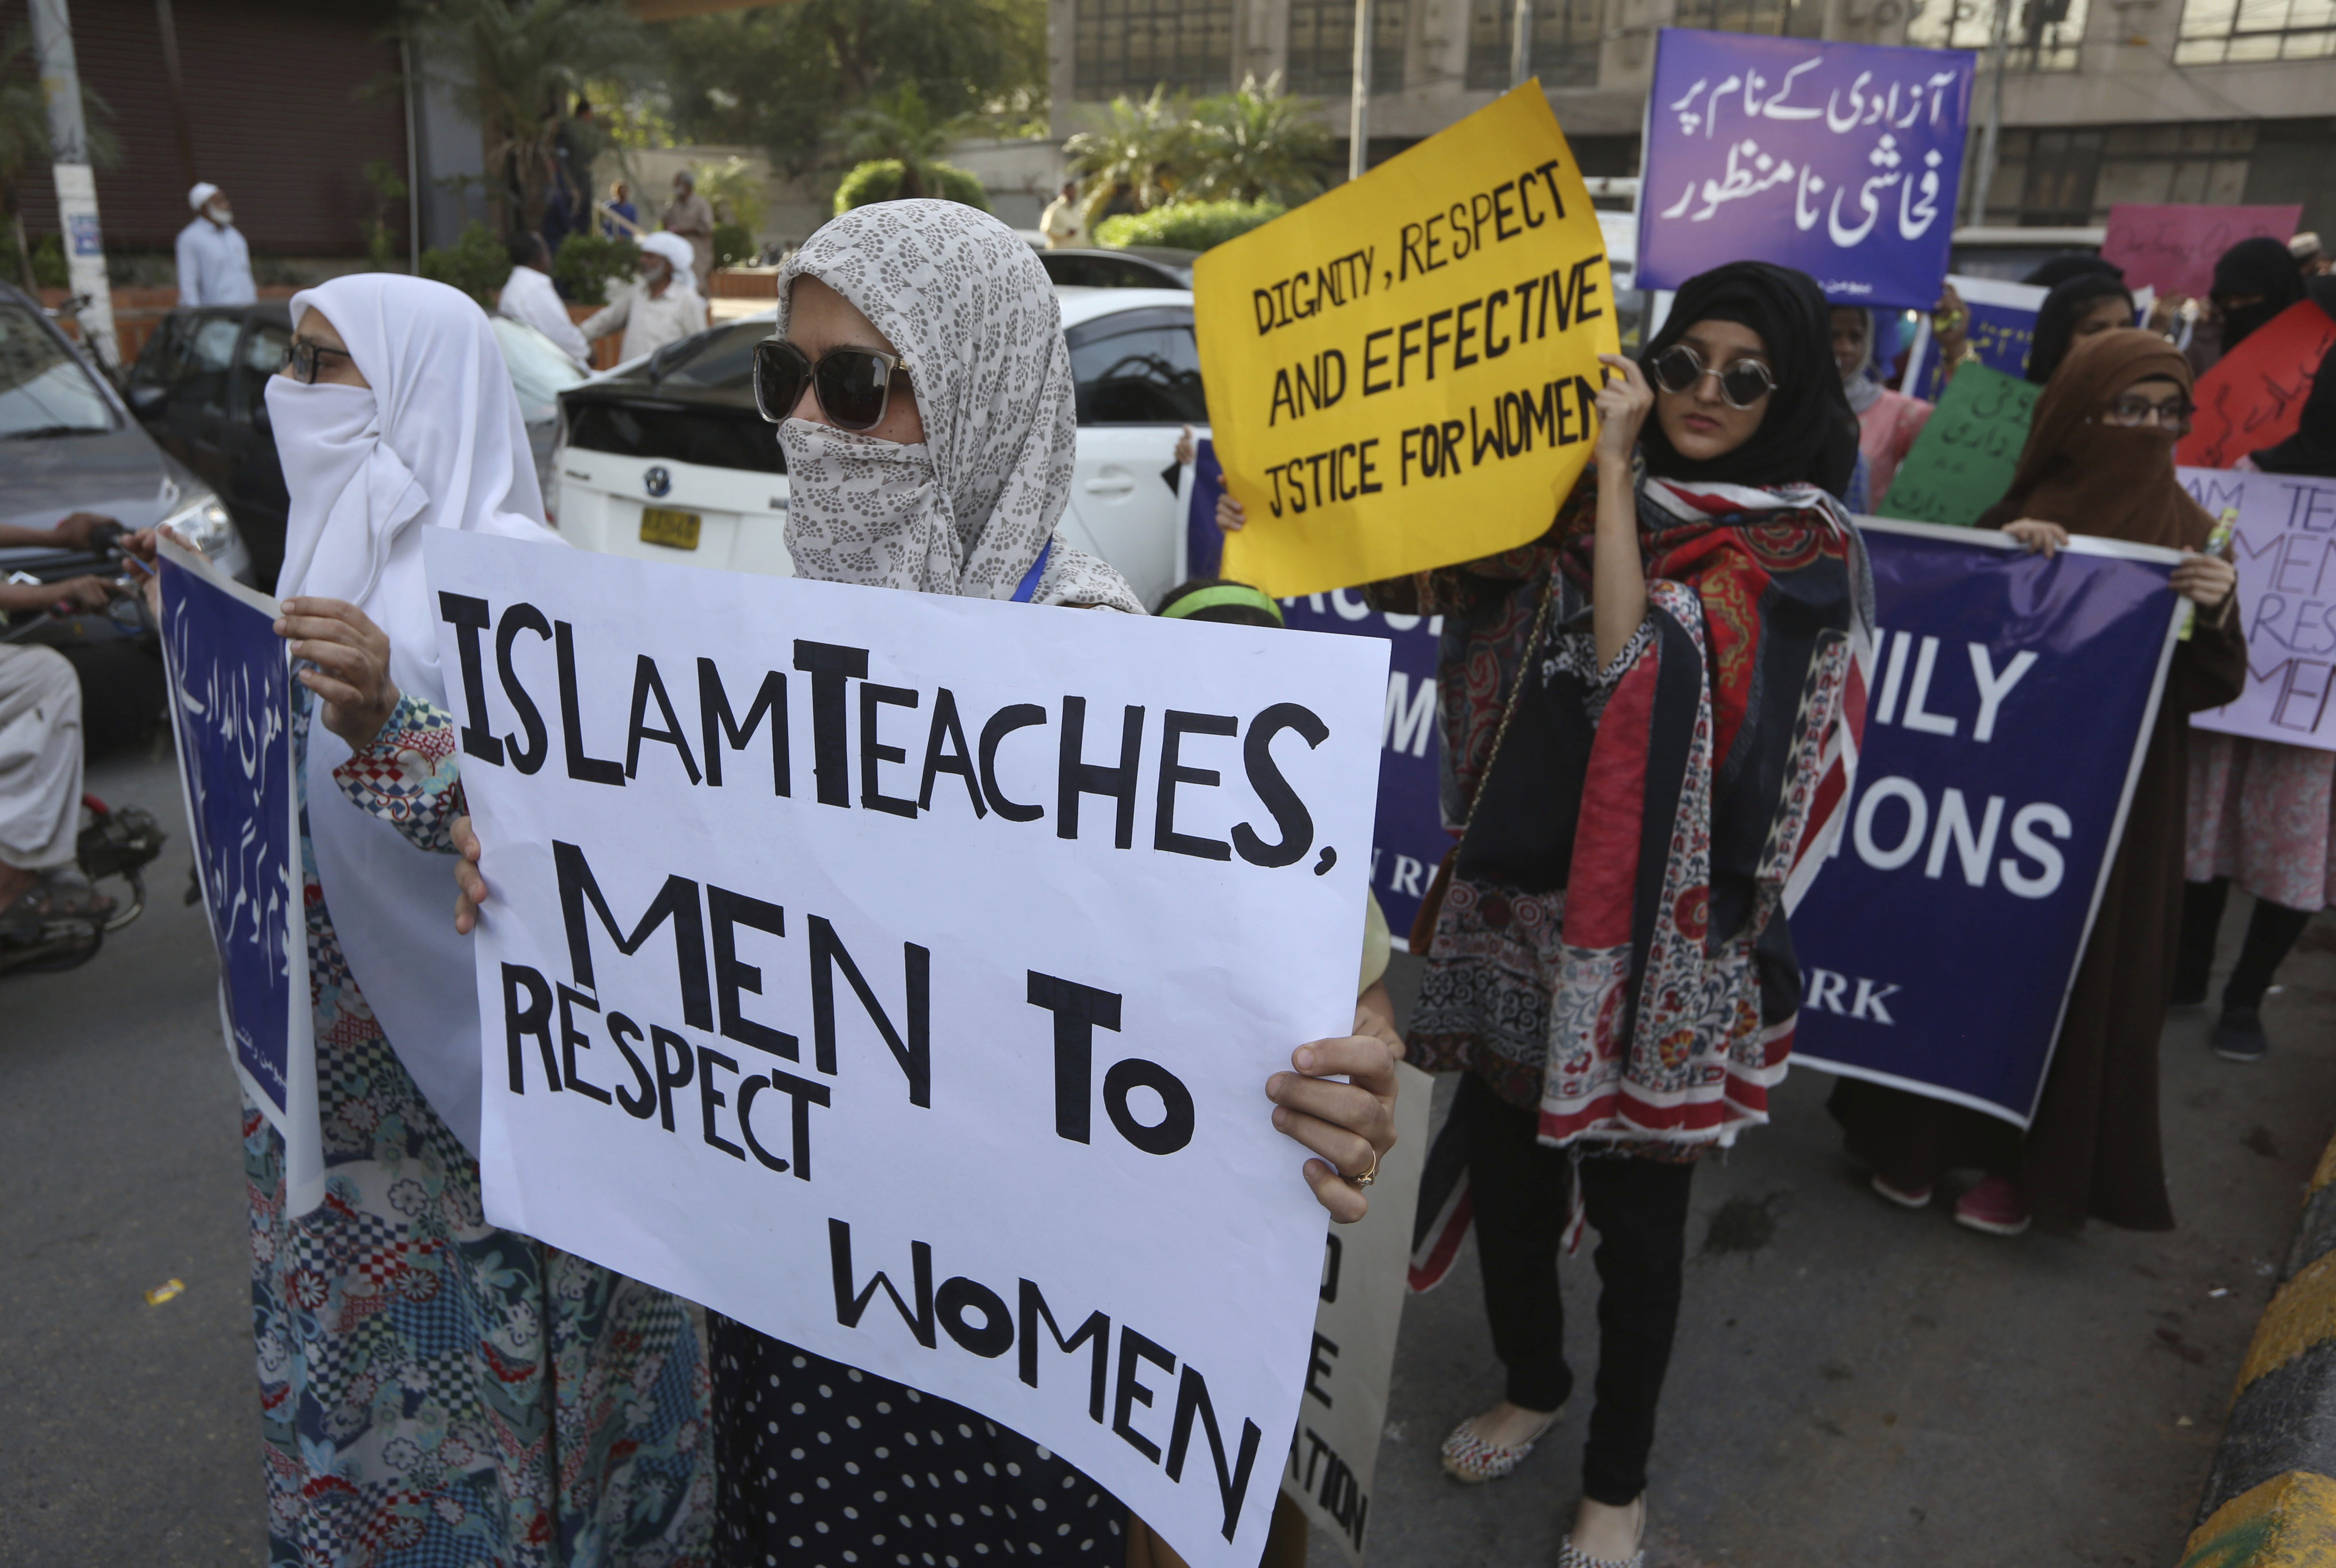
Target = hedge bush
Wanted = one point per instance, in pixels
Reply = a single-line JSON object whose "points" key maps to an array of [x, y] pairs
{"points": [[588, 263], [476, 263], [734, 246], [879, 179], [1186, 225]]}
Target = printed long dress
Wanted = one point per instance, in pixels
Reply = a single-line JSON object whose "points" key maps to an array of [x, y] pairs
{"points": [[435, 1392]]}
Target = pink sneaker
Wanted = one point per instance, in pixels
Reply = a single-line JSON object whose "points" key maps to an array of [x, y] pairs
{"points": [[1993, 1207], [1905, 1197]]}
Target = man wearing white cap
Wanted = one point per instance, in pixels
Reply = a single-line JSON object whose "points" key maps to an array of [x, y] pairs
{"points": [[661, 306], [214, 263]]}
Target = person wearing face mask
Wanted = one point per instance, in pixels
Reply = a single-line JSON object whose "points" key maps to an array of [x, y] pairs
{"points": [[923, 396], [432, 1388], [2085, 306], [214, 263], [2099, 460], [1887, 422], [662, 305], [2255, 280], [1673, 659], [691, 215]]}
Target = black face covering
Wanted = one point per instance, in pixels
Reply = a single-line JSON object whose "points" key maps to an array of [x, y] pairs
{"points": [[1808, 435], [2261, 266], [2056, 321]]}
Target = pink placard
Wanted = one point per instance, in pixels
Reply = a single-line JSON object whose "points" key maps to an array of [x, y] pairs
{"points": [[2173, 249]]}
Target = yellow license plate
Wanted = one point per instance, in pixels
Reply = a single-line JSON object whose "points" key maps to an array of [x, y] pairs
{"points": [[674, 529]]}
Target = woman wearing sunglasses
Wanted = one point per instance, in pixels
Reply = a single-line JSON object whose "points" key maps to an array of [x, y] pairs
{"points": [[1670, 663], [922, 393], [2099, 460]]}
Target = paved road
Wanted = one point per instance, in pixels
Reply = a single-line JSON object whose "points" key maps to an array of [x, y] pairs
{"points": [[1854, 1384]]}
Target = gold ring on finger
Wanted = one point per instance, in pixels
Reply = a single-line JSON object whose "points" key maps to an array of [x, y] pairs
{"points": [[1367, 1177]]}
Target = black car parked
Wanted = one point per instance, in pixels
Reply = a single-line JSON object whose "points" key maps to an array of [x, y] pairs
{"points": [[200, 389]]}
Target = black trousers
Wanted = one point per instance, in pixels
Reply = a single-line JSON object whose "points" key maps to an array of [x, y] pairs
{"points": [[1521, 1191], [2272, 931]]}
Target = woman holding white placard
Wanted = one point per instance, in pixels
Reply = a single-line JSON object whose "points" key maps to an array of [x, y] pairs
{"points": [[923, 395]]}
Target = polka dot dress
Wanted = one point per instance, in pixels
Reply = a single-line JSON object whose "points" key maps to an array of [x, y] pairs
{"points": [[823, 1466]]}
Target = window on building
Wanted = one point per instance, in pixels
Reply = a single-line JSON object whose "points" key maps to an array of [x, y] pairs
{"points": [[2214, 31], [2041, 34], [1133, 45], [1322, 46], [1564, 42], [2053, 178], [1733, 15]]}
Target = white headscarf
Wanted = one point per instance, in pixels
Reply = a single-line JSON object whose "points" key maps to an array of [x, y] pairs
{"points": [[436, 442], [966, 511], [678, 254], [200, 196]]}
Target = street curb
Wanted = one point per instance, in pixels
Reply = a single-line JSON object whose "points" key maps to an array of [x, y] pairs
{"points": [[2270, 1499]]}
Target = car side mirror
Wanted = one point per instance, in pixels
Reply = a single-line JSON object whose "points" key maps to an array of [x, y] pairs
{"points": [[148, 401]]}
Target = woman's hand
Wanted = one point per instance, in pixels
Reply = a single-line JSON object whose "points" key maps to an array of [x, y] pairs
{"points": [[1349, 1125], [2040, 537], [1184, 447], [1231, 515], [2206, 581], [471, 888], [351, 656], [1623, 404], [1375, 1017]]}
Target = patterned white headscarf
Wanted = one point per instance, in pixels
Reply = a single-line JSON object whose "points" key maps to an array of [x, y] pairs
{"points": [[966, 305]]}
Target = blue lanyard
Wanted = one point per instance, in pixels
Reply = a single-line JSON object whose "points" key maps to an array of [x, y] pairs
{"points": [[1029, 584]]}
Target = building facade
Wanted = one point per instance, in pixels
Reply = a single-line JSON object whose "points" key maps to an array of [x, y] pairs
{"points": [[2104, 101]]}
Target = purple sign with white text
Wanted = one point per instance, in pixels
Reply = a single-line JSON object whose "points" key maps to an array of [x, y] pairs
{"points": [[1842, 159]]}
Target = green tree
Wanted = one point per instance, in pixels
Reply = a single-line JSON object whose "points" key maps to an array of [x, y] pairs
{"points": [[736, 191], [1141, 152], [785, 77], [24, 149], [1258, 144], [898, 128], [516, 66], [476, 263], [881, 179]]}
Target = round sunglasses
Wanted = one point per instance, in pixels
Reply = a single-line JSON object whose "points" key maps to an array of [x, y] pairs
{"points": [[853, 386], [1742, 384]]}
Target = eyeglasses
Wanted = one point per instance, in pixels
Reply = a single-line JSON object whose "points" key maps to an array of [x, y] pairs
{"points": [[1742, 385], [2130, 411], [300, 359], [853, 386]]}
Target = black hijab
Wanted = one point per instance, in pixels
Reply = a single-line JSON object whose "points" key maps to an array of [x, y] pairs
{"points": [[2056, 318], [2071, 264], [2312, 448], [1808, 435], [2261, 266]]}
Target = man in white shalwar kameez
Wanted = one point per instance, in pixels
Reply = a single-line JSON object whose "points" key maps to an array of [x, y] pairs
{"points": [[40, 766], [214, 263], [528, 297], [662, 307]]}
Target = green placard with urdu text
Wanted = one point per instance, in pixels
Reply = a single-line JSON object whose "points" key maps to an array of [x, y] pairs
{"points": [[1964, 460]]}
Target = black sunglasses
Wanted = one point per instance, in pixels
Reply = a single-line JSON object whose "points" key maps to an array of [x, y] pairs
{"points": [[853, 386], [1742, 384], [300, 359]]}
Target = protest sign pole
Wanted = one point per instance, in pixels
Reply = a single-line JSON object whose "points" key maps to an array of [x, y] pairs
{"points": [[1988, 138], [1358, 122], [1521, 44]]}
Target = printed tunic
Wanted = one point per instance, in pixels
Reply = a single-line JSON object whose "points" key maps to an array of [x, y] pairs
{"points": [[436, 1392]]}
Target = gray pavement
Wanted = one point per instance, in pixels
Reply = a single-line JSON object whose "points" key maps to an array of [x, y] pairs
{"points": [[1854, 1384]]}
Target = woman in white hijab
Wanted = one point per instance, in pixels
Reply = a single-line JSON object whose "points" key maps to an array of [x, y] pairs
{"points": [[432, 1388], [923, 395]]}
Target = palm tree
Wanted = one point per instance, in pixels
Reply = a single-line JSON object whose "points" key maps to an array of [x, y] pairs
{"points": [[515, 66], [899, 126], [1259, 144], [1143, 149]]}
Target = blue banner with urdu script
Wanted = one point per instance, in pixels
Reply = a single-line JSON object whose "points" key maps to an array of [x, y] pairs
{"points": [[229, 694], [1842, 159], [2012, 700]]}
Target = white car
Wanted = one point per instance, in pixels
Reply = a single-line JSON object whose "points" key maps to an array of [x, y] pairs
{"points": [[668, 460]]}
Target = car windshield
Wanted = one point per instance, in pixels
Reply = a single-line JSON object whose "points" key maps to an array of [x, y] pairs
{"points": [[539, 370], [722, 358], [43, 390]]}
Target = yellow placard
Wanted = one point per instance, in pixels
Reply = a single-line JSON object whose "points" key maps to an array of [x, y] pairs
{"points": [[1403, 372]]}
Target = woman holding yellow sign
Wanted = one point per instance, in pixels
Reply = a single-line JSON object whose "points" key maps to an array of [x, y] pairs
{"points": [[1644, 710]]}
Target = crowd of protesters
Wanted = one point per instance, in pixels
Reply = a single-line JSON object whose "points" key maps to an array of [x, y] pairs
{"points": [[560, 1413]]}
